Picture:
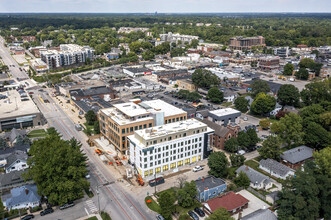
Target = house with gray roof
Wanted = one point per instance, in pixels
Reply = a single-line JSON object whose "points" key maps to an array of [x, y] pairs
{"points": [[257, 179], [276, 169], [12, 135], [16, 161], [260, 214], [12, 180], [209, 187], [295, 157], [22, 197]]}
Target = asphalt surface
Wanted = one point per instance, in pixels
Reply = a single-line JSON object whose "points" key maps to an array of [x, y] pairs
{"points": [[10, 62], [113, 196]]}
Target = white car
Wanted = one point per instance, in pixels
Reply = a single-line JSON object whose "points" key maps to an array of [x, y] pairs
{"points": [[241, 152], [245, 118], [197, 168]]}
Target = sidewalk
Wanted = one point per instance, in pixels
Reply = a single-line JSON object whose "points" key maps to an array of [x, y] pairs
{"points": [[92, 215]]}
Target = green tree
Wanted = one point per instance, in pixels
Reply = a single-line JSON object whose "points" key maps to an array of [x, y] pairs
{"points": [[323, 160], [58, 167], [242, 180], [194, 43], [220, 214], [259, 86], [264, 123], [3, 143], [148, 55], [271, 148], [231, 145], [96, 127], [306, 63], [135, 47], [288, 69], [290, 129], [316, 92], [298, 198], [243, 139], [218, 164], [254, 139], [241, 104], [288, 95], [167, 204], [186, 195], [203, 78], [263, 104], [237, 160], [90, 117], [194, 96], [316, 136], [19, 140], [302, 74], [215, 95]]}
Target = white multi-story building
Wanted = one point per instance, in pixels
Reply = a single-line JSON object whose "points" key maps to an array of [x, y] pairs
{"points": [[69, 54], [167, 147], [170, 37]]}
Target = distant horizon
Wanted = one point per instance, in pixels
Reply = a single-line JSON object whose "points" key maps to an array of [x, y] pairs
{"points": [[288, 12], [169, 6]]}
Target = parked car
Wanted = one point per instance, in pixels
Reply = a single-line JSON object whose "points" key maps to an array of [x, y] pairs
{"points": [[245, 118], [46, 211], [67, 205], [159, 217], [28, 217], [193, 215], [197, 168], [199, 212], [88, 176], [241, 152]]}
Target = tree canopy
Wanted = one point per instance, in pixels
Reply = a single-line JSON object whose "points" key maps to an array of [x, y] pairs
{"points": [[186, 195], [241, 104], [58, 167], [203, 78], [242, 180], [259, 86], [218, 164], [215, 95], [288, 95], [271, 148], [288, 69], [167, 204], [263, 104], [220, 214]]}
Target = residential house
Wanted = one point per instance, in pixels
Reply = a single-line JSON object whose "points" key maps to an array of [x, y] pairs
{"points": [[276, 169], [209, 187], [260, 214], [272, 197], [12, 135], [295, 157], [231, 201], [257, 179], [202, 114], [12, 180], [22, 197], [16, 161], [222, 134]]}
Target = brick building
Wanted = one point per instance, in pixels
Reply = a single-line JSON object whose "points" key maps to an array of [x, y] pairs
{"points": [[246, 43]]}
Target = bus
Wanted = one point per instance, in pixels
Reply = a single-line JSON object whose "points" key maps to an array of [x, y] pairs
{"points": [[157, 181]]}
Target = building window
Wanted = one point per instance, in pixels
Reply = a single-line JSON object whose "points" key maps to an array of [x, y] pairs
{"points": [[127, 130], [150, 125], [145, 125], [145, 166], [146, 173], [177, 119], [187, 161], [151, 172], [151, 164], [179, 163], [140, 127], [165, 168], [181, 118], [123, 131], [158, 170], [173, 120], [173, 165], [136, 128]]}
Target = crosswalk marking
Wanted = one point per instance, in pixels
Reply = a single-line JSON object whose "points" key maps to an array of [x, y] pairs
{"points": [[91, 206]]}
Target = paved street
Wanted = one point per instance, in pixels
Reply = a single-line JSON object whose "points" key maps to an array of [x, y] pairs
{"points": [[113, 197], [9, 61]]}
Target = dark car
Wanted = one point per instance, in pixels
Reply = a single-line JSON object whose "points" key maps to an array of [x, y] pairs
{"points": [[67, 205], [193, 215], [28, 217], [199, 212], [46, 211]]}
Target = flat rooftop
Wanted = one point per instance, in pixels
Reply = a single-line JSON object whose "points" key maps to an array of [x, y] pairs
{"points": [[125, 112], [16, 105], [224, 111], [168, 129]]}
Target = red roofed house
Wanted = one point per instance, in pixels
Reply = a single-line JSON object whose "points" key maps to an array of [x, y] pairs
{"points": [[234, 203]]}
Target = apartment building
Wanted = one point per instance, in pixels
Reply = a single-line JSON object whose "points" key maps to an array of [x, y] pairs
{"points": [[167, 147], [122, 120], [69, 54], [246, 43], [170, 37]]}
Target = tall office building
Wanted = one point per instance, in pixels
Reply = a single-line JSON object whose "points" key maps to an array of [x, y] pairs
{"points": [[168, 147], [246, 43], [122, 120]]}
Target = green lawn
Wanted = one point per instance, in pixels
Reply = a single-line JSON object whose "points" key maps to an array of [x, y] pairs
{"points": [[152, 205], [105, 216], [92, 218], [37, 133]]}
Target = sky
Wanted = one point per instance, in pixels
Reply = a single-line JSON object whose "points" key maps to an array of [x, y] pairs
{"points": [[164, 6]]}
